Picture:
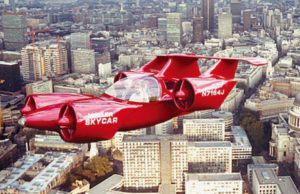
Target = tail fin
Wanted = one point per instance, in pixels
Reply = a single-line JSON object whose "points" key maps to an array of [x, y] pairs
{"points": [[226, 67]]}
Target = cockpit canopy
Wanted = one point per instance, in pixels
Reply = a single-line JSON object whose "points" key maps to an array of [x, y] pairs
{"points": [[136, 89]]}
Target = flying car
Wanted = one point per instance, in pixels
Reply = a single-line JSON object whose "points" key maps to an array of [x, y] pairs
{"points": [[166, 87]]}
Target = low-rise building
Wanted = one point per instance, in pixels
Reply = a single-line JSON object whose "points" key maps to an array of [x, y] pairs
{"points": [[46, 171], [265, 180], [213, 183]]}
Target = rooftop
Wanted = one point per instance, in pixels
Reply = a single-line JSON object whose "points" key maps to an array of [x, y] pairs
{"points": [[222, 144], [240, 137], [214, 177], [208, 120], [153, 138], [107, 184], [268, 176]]}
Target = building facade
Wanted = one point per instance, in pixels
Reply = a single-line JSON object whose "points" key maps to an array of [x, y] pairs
{"points": [[213, 183], [164, 159], [210, 156]]}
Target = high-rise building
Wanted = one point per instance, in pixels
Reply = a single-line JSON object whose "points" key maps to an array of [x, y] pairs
{"points": [[198, 27], [33, 66], [14, 30], [210, 156], [174, 28], [236, 9], [213, 183], [80, 40], [204, 129], [208, 14], [100, 45], [183, 9], [56, 60], [43, 60], [83, 61], [151, 161], [162, 28], [224, 25], [247, 19], [10, 78]]}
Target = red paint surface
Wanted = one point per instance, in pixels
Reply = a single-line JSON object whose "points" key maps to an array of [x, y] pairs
{"points": [[82, 118]]}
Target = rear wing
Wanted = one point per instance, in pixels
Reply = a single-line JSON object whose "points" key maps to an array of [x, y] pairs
{"points": [[185, 65]]}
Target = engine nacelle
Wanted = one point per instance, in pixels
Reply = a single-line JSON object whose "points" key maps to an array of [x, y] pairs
{"points": [[192, 94], [88, 120], [37, 101]]}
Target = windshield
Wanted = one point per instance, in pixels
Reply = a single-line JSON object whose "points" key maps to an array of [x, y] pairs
{"points": [[141, 89]]}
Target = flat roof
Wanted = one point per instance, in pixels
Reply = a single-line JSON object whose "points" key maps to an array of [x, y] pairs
{"points": [[240, 137], [204, 120], [106, 185], [210, 144], [268, 176], [153, 138], [213, 177]]}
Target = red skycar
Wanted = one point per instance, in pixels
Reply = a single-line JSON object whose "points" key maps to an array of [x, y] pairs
{"points": [[166, 87]]}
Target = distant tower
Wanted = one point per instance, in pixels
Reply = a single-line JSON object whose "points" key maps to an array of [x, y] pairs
{"points": [[14, 30], [198, 29], [224, 25], [208, 14], [236, 9], [247, 19], [80, 40], [174, 27]]}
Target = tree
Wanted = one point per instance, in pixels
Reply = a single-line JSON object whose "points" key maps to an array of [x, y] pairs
{"points": [[254, 129], [117, 155], [99, 165]]}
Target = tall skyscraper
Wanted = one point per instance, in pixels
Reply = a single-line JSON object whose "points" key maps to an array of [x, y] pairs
{"points": [[33, 66], [183, 9], [236, 9], [198, 27], [164, 159], [162, 28], [208, 14], [174, 28], [224, 25], [247, 19], [56, 60], [44, 60], [80, 40], [14, 30], [83, 61]]}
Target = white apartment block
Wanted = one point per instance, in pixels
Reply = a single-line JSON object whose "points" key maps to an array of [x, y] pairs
{"points": [[213, 183], [153, 160], [210, 156], [212, 129]]}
